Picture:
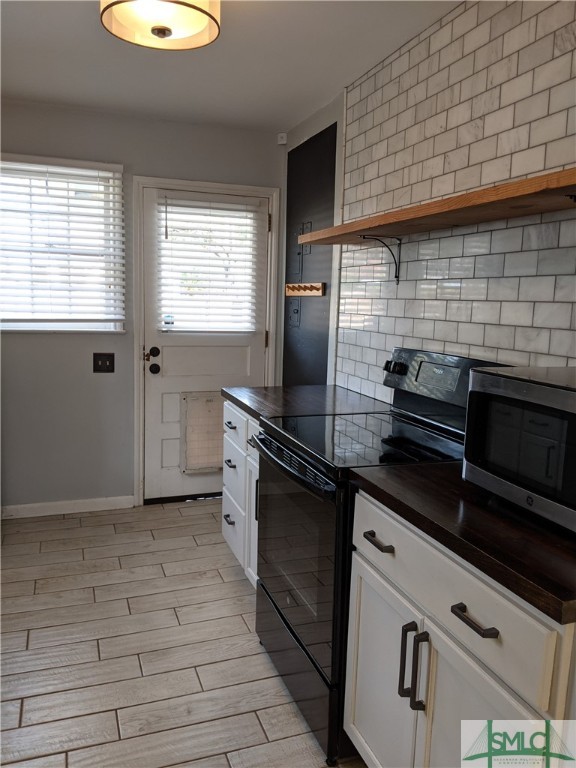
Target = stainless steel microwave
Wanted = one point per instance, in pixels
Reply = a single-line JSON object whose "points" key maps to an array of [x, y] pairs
{"points": [[520, 439]]}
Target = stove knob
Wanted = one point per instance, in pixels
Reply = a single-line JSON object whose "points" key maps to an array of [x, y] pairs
{"points": [[400, 369], [388, 366]]}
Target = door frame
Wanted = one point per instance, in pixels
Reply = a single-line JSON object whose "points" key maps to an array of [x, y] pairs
{"points": [[138, 185]]}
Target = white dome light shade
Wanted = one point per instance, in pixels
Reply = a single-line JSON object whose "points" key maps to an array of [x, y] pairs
{"points": [[170, 25]]}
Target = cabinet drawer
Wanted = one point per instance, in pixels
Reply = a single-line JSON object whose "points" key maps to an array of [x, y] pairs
{"points": [[523, 653], [234, 472], [233, 526], [235, 423]]}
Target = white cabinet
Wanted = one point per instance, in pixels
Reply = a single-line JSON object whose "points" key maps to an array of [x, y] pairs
{"points": [[240, 484], [416, 667]]}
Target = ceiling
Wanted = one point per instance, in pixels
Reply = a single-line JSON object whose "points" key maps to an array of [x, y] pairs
{"points": [[274, 64]]}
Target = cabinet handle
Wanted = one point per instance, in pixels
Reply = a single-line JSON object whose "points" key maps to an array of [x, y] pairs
{"points": [[410, 627], [375, 541], [417, 704], [229, 464], [230, 425], [459, 610], [228, 520]]}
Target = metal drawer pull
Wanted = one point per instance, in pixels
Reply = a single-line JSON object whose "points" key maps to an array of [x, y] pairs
{"points": [[229, 464], [228, 520], [372, 538], [417, 704], [459, 610], [410, 627], [230, 425]]}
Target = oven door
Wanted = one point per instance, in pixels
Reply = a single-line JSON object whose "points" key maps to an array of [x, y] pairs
{"points": [[297, 533]]}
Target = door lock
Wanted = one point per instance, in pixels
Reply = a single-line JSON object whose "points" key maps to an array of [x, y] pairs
{"points": [[154, 352]]}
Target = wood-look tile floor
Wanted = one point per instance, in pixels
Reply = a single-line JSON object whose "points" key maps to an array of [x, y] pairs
{"points": [[128, 642]]}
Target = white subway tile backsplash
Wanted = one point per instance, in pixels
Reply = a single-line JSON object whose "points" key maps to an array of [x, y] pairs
{"points": [[471, 333], [541, 236], [445, 331], [563, 343], [561, 152], [477, 243], [528, 161], [460, 311], [536, 288], [481, 97], [551, 19], [514, 140], [496, 170], [565, 289], [532, 339], [548, 128], [499, 336], [486, 312], [462, 267], [503, 288], [557, 261], [511, 357], [489, 265], [434, 309], [476, 288], [552, 73], [552, 315]]}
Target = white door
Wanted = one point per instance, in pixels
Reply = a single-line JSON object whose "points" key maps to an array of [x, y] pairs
{"points": [[205, 298]]}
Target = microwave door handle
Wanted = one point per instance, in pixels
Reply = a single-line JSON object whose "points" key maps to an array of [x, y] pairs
{"points": [[326, 492]]}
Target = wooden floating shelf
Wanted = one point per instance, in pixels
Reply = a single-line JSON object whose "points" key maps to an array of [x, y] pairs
{"points": [[538, 194]]}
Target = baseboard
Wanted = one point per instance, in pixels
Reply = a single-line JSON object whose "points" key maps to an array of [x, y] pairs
{"points": [[12, 511]]}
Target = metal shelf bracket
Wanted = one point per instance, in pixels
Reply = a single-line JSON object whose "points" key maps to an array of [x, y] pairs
{"points": [[396, 260]]}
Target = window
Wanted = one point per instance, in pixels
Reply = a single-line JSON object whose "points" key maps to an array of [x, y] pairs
{"points": [[212, 254], [62, 246]]}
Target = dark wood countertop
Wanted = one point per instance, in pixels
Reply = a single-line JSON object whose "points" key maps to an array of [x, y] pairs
{"points": [[531, 557], [301, 400]]}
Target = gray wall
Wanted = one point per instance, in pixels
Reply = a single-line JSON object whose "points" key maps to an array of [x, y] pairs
{"points": [[68, 433]]}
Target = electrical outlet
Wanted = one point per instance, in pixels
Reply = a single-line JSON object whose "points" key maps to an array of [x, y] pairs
{"points": [[103, 362]]}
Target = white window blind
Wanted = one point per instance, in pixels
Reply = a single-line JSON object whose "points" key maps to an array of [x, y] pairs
{"points": [[212, 256], [62, 247]]}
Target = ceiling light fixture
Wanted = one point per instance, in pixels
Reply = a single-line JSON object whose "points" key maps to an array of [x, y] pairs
{"points": [[171, 25]]}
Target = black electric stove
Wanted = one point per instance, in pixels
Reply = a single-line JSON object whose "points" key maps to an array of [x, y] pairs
{"points": [[305, 514], [336, 443]]}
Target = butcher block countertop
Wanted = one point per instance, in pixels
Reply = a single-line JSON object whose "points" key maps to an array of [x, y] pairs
{"points": [[304, 400], [534, 559], [531, 557]]}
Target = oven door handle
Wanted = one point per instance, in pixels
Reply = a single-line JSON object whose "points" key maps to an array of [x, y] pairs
{"points": [[323, 489]]}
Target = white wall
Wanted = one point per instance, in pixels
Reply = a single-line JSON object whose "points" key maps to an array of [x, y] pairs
{"points": [[485, 95], [68, 433]]}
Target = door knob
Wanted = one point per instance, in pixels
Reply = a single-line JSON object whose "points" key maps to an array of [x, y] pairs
{"points": [[154, 352], [154, 368]]}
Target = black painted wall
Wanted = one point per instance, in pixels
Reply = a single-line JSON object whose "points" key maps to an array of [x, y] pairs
{"points": [[309, 206]]}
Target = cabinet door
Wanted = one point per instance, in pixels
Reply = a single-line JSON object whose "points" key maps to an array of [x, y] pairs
{"points": [[458, 688], [252, 519], [379, 721]]}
